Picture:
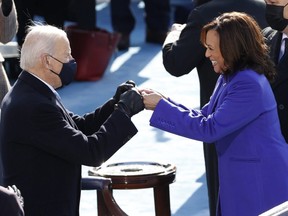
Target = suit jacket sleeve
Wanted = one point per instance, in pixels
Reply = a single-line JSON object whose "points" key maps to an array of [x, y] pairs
{"points": [[187, 52], [8, 25], [242, 103], [91, 122], [52, 132]]}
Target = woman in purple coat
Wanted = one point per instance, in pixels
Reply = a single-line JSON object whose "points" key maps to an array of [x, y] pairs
{"points": [[240, 118]]}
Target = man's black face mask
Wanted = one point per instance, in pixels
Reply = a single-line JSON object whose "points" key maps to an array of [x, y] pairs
{"points": [[275, 17], [67, 72]]}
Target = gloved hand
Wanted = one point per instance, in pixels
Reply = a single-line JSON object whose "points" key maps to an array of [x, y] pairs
{"points": [[123, 88], [130, 102]]}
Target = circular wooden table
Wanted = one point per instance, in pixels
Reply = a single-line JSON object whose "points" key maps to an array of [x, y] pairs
{"points": [[139, 175]]}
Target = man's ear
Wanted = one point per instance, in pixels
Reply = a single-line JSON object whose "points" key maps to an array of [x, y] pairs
{"points": [[45, 60]]}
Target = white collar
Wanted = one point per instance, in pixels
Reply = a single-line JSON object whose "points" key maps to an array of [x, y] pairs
{"points": [[49, 86]]}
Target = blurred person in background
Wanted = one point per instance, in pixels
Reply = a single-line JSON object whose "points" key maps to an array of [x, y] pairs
{"points": [[157, 18], [8, 29], [54, 13]]}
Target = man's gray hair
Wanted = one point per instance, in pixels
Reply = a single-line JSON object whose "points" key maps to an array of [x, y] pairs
{"points": [[39, 40]]}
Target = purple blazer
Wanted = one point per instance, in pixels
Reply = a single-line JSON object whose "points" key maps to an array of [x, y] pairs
{"points": [[241, 119]]}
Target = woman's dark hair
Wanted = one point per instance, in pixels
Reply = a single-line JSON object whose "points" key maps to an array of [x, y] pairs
{"points": [[242, 44]]}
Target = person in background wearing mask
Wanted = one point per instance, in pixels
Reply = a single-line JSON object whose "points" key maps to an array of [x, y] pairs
{"points": [[277, 39], [42, 144]]}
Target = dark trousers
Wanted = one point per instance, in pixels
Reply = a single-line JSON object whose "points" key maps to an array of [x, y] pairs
{"points": [[55, 13], [211, 165], [157, 15]]}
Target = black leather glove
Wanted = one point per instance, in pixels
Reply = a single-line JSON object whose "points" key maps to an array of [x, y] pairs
{"points": [[130, 102], [123, 88], [6, 7]]}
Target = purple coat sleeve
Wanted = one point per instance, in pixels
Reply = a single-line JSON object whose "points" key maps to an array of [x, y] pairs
{"points": [[237, 103]]}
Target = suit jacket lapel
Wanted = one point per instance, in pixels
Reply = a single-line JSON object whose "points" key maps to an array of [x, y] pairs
{"points": [[275, 45], [215, 96], [66, 113], [43, 89], [282, 66]]}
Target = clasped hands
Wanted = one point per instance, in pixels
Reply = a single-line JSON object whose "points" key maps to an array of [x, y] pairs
{"points": [[132, 100]]}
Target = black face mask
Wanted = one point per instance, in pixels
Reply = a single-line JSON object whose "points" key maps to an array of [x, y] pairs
{"points": [[275, 18], [67, 72]]}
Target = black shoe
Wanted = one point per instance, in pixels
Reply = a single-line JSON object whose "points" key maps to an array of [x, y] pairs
{"points": [[124, 42], [157, 37]]}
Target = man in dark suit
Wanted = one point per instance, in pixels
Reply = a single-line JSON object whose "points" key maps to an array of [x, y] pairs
{"points": [[277, 36], [43, 145], [182, 52]]}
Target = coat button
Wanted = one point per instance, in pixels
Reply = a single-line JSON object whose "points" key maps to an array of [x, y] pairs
{"points": [[281, 106]]}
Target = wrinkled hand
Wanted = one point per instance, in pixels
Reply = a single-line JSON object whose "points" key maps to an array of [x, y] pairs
{"points": [[130, 102], [123, 88], [15, 190]]}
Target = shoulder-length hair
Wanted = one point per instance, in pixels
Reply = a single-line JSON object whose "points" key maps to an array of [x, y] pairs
{"points": [[242, 44]]}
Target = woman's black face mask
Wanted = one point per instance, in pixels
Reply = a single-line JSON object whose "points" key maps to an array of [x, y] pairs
{"points": [[275, 17]]}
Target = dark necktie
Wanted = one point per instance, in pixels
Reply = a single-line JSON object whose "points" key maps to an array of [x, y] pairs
{"points": [[283, 64], [285, 54]]}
